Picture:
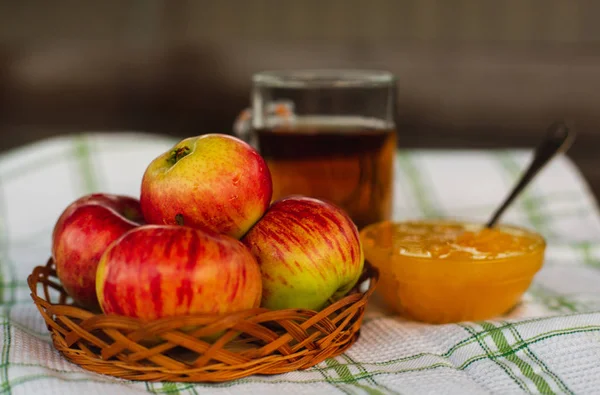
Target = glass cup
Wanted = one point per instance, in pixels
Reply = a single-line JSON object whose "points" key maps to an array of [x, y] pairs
{"points": [[327, 134]]}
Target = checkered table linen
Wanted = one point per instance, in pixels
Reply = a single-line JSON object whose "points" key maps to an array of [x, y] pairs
{"points": [[548, 344]]}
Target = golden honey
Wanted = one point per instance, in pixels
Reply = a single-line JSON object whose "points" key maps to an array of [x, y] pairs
{"points": [[445, 271]]}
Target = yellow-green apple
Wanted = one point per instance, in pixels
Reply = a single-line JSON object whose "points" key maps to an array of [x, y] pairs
{"points": [[214, 181], [157, 271], [309, 253], [81, 234]]}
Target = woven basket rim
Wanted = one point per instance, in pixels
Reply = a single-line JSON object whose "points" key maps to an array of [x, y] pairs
{"points": [[74, 332]]}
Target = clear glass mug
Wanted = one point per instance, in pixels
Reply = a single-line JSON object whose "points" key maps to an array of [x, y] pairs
{"points": [[327, 134]]}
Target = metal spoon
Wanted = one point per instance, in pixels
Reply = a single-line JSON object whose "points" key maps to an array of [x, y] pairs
{"points": [[558, 139]]}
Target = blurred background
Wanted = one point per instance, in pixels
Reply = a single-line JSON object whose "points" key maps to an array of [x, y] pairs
{"points": [[472, 73]]}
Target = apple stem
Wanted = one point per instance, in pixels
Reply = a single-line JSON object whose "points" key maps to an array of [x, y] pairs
{"points": [[179, 219], [177, 154]]}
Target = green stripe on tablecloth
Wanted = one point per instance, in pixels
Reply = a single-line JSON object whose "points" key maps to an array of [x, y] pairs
{"points": [[554, 301], [8, 272], [326, 377], [81, 151], [92, 379], [490, 355], [476, 335], [170, 388], [543, 367], [352, 362], [540, 337], [422, 194], [191, 388], [518, 346], [526, 369], [89, 379], [150, 387], [9, 301], [5, 358], [14, 284], [336, 382], [362, 370], [586, 251], [164, 388], [347, 377]]}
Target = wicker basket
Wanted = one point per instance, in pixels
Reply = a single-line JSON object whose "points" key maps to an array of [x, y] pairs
{"points": [[199, 348]]}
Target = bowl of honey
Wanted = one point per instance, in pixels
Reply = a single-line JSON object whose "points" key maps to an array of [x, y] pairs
{"points": [[445, 271]]}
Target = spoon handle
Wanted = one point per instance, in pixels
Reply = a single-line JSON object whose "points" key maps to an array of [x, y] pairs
{"points": [[558, 139]]}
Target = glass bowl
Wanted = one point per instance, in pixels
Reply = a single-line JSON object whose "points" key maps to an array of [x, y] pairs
{"points": [[443, 271]]}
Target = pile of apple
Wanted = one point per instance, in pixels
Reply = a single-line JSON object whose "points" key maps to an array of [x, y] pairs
{"points": [[205, 237]]}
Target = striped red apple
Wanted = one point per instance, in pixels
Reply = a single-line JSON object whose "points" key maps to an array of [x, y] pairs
{"points": [[309, 253], [157, 271], [82, 233], [215, 182]]}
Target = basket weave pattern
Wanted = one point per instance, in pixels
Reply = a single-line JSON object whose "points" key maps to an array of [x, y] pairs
{"points": [[198, 348]]}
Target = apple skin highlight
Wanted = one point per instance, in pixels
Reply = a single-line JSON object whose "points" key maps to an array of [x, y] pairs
{"points": [[309, 253], [158, 271], [82, 233], [215, 182]]}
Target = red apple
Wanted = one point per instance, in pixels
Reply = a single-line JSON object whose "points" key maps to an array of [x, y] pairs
{"points": [[215, 182], [309, 253], [157, 271], [81, 234]]}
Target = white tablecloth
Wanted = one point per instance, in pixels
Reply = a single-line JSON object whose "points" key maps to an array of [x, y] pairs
{"points": [[550, 343]]}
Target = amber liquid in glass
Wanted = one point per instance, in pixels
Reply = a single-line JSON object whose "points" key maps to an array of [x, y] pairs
{"points": [[345, 160]]}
